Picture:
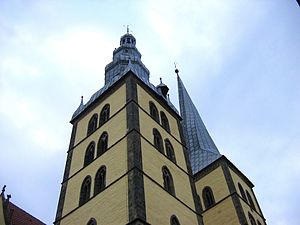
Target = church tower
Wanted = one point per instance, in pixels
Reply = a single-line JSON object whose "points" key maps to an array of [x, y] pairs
{"points": [[133, 160], [126, 162]]}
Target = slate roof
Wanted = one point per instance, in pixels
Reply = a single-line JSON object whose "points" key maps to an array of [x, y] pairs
{"points": [[125, 58], [201, 148]]}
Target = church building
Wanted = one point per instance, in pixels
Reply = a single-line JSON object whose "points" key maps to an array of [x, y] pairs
{"points": [[133, 159]]}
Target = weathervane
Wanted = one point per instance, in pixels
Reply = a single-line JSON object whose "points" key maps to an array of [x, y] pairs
{"points": [[127, 28]]}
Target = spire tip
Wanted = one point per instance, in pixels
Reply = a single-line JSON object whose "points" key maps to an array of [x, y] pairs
{"points": [[176, 70]]}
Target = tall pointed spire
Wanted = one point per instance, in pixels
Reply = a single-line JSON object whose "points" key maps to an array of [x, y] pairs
{"points": [[201, 148]]}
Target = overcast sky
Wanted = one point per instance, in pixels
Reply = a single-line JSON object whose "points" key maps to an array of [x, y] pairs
{"points": [[239, 60]]}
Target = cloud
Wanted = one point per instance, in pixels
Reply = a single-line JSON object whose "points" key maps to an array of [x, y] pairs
{"points": [[18, 69], [81, 48]]}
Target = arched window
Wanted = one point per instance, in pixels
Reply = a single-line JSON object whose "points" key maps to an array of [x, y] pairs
{"points": [[168, 180], [153, 111], [100, 180], [252, 220], [92, 221], [250, 201], [208, 197], [92, 124], [85, 190], [102, 143], [89, 154], [104, 115], [174, 220], [164, 121], [170, 151], [242, 192], [158, 141]]}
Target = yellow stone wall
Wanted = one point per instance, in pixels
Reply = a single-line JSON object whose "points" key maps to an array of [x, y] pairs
{"points": [[160, 206], [216, 181], [109, 207], [2, 219], [223, 213], [246, 207], [146, 129], [144, 98], [114, 135], [117, 100], [153, 161], [115, 161]]}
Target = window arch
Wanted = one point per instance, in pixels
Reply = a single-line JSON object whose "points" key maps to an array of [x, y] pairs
{"points": [[174, 220], [104, 114], [252, 220], [85, 190], [250, 201], [89, 154], [102, 143], [170, 150], [153, 111], [92, 221], [208, 197], [168, 180], [100, 180], [242, 192], [164, 121], [158, 143], [92, 124]]}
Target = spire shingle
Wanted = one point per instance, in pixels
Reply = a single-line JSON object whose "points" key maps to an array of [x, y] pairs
{"points": [[201, 148]]}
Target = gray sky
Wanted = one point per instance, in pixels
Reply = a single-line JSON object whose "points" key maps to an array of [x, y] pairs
{"points": [[239, 60]]}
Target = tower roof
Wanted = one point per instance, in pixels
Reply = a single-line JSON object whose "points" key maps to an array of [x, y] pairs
{"points": [[201, 148], [126, 55], [126, 58]]}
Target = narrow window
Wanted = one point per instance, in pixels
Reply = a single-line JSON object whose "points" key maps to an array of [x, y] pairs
{"points": [[242, 192], [170, 151], [158, 141], [153, 111], [252, 220], [89, 154], [168, 180], [92, 124], [250, 201], [104, 115], [85, 190], [102, 143], [100, 180], [164, 121], [208, 197], [92, 221], [174, 220]]}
